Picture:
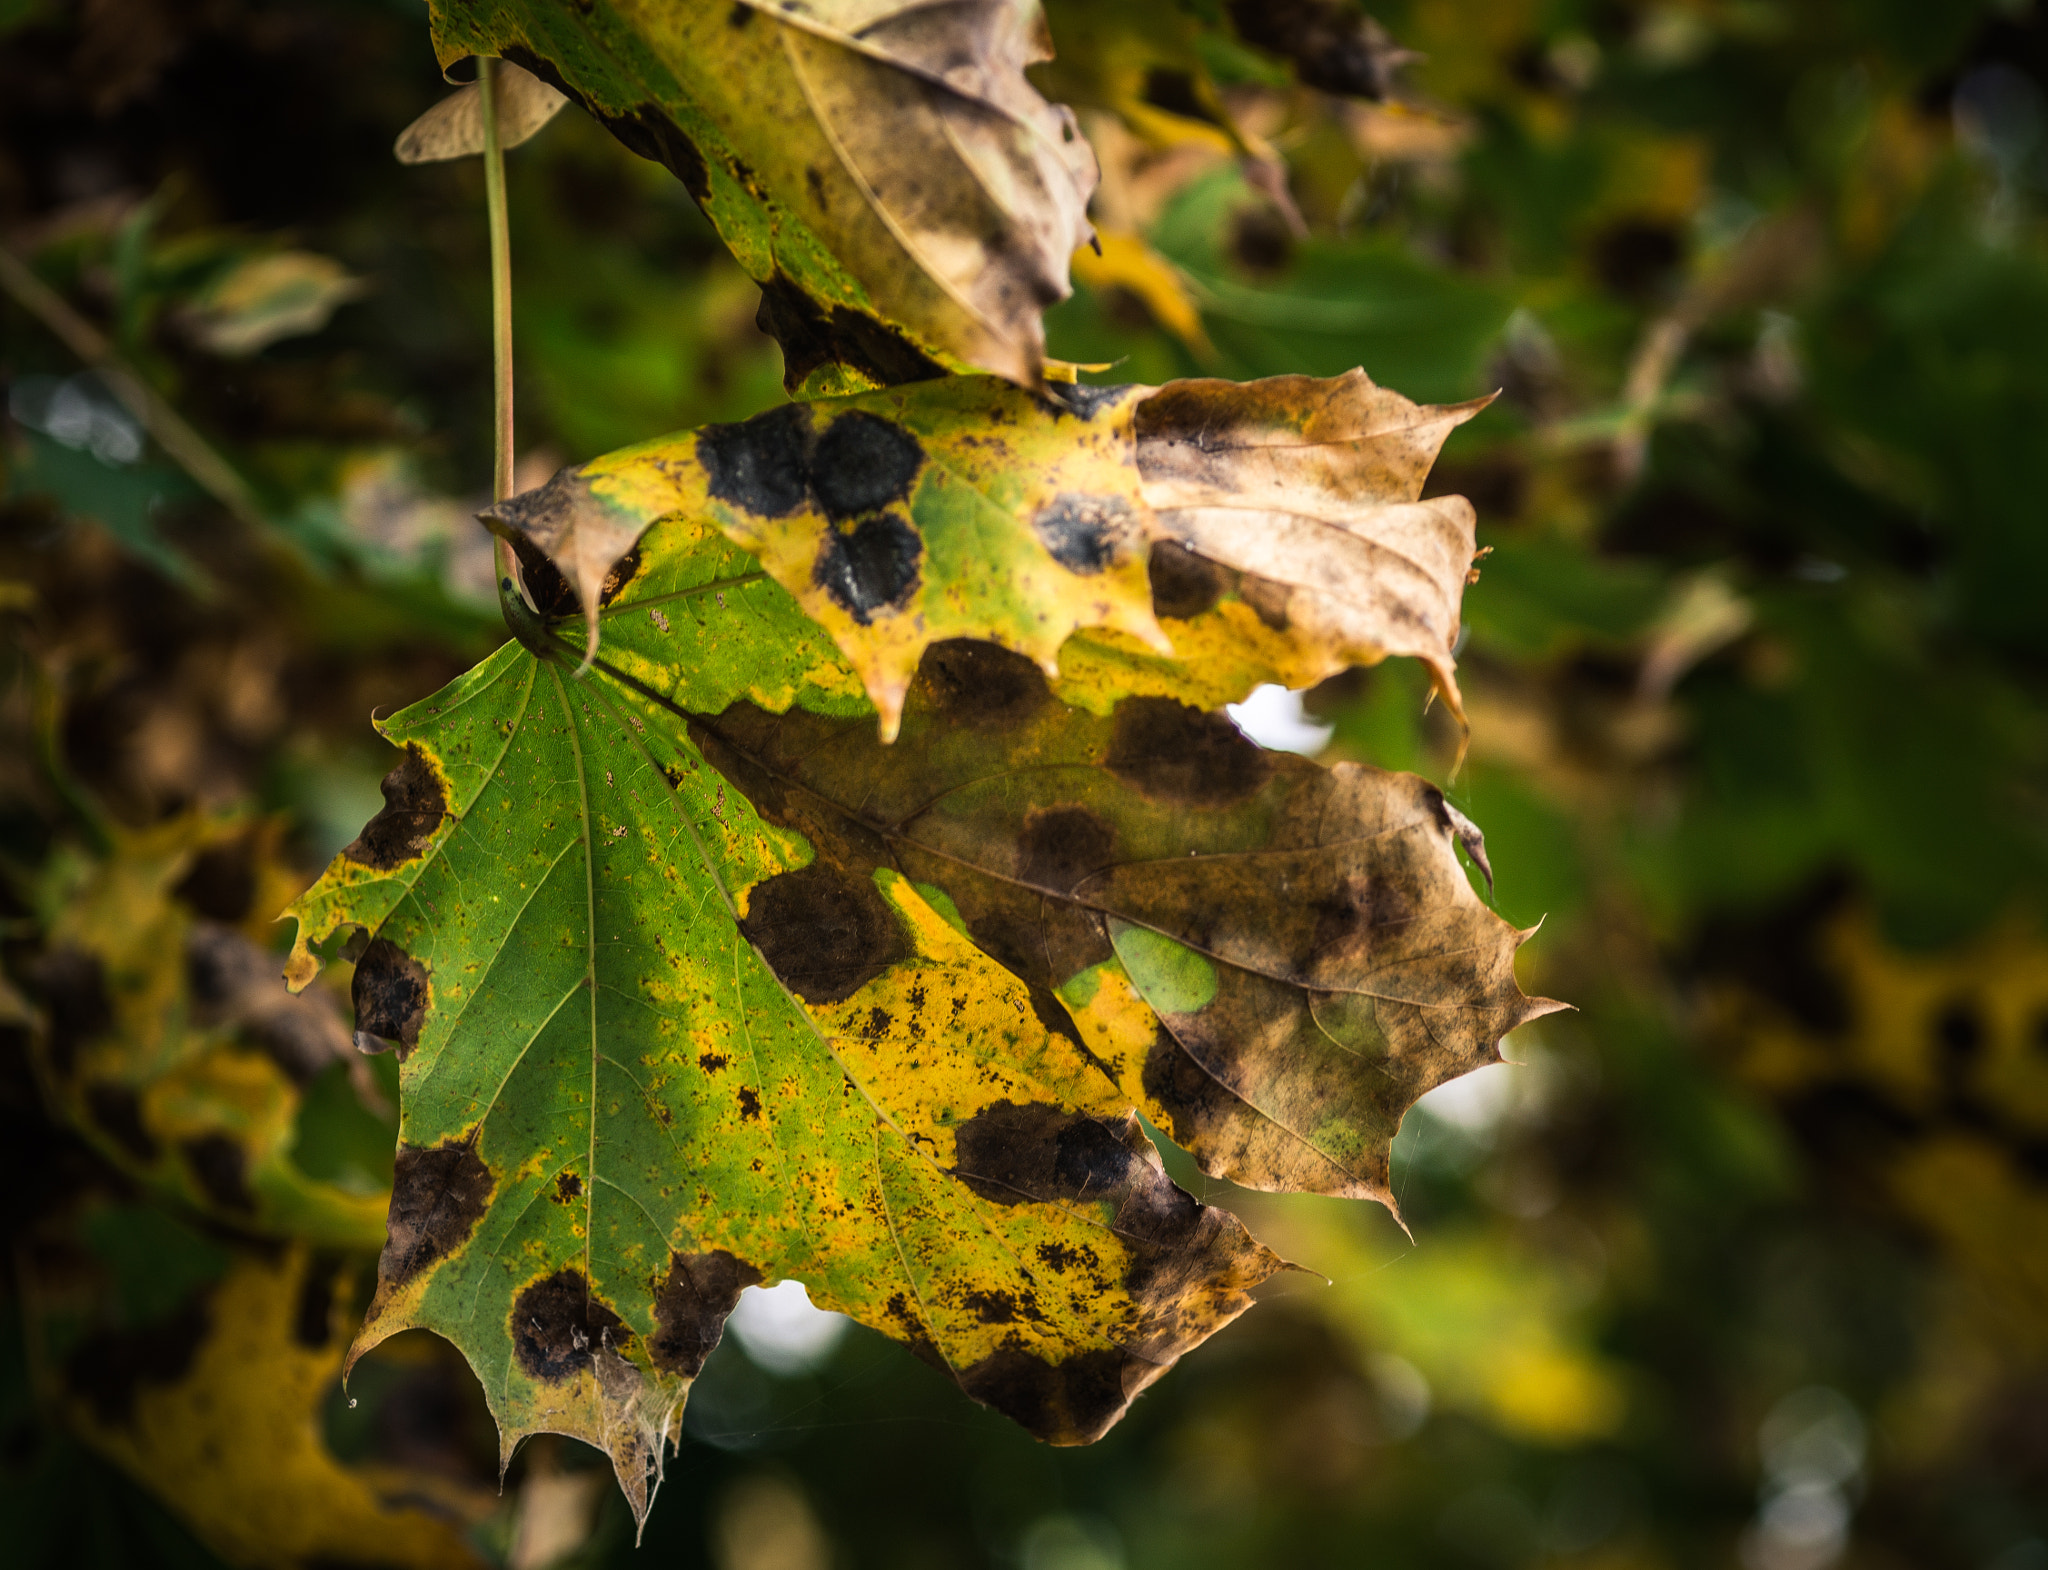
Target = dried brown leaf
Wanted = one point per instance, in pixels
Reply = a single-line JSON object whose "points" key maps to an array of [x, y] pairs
{"points": [[454, 128]]}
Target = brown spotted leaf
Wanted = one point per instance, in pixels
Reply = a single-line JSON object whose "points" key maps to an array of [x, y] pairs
{"points": [[961, 507], [698, 984], [1203, 537], [1307, 494], [904, 197], [1273, 960], [213, 1400], [168, 1041]]}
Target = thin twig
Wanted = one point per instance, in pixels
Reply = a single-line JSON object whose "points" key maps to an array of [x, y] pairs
{"points": [[185, 446]]}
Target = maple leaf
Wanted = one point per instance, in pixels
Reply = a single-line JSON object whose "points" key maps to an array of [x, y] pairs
{"points": [[1295, 540], [698, 984], [167, 1041], [884, 171], [213, 1400]]}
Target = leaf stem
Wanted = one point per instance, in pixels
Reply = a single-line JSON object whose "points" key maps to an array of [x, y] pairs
{"points": [[501, 317]]}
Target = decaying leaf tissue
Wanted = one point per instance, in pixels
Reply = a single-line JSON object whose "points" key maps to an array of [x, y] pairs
{"points": [[940, 592], [849, 854]]}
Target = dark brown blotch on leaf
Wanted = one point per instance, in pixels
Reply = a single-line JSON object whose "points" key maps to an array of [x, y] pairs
{"points": [[221, 883], [812, 336], [73, 984], [109, 1369], [1070, 1403], [1173, 752], [1085, 534], [991, 1308], [1334, 45], [1269, 601], [1196, 1101], [871, 569], [825, 932], [1053, 1015], [978, 683], [438, 1194], [618, 575], [568, 1187], [1183, 584], [558, 1327], [691, 1306], [648, 130], [390, 993], [1346, 914], [415, 803], [117, 1109], [1083, 398], [220, 1167], [313, 1315], [1012, 1154], [1060, 846]]}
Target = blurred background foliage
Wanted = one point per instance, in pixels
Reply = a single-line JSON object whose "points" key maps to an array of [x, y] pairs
{"points": [[1747, 1261]]}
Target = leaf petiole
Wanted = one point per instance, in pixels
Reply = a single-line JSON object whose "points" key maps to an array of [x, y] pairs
{"points": [[501, 324]]}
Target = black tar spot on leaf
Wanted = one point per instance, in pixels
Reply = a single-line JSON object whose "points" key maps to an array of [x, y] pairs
{"points": [[812, 336], [648, 130], [761, 465], [863, 464], [1085, 534], [872, 569], [1081, 398]]}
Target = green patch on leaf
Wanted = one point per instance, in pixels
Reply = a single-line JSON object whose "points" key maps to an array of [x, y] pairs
{"points": [[1173, 978]]}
